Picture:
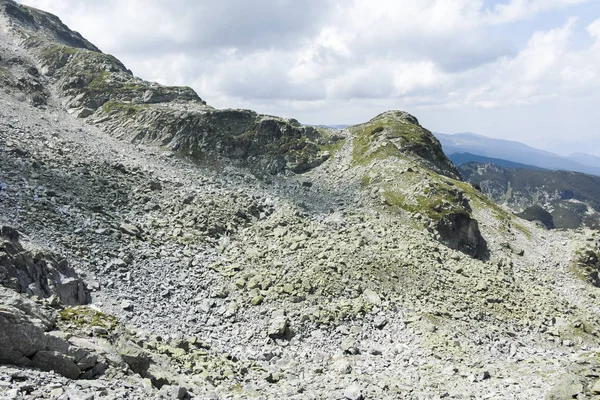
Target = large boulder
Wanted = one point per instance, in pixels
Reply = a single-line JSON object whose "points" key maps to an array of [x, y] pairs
{"points": [[27, 339], [460, 231], [38, 273]]}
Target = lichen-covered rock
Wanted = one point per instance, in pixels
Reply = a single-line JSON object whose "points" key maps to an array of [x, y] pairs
{"points": [[26, 339], [265, 144], [397, 133]]}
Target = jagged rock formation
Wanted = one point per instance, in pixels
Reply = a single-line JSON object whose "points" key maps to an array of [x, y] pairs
{"points": [[99, 87], [37, 273], [375, 274], [27, 339]]}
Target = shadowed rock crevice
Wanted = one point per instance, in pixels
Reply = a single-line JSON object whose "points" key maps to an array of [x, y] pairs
{"points": [[461, 232]]}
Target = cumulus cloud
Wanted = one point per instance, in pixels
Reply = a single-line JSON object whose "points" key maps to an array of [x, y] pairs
{"points": [[152, 26], [516, 10], [320, 58]]}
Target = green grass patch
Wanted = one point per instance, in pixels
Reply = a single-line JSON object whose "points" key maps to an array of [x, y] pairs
{"points": [[86, 317], [99, 81], [113, 106], [58, 50], [333, 146]]}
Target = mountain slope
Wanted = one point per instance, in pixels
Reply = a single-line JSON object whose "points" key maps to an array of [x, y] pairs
{"points": [[511, 151], [572, 198], [98, 87], [211, 277], [585, 159], [465, 158]]}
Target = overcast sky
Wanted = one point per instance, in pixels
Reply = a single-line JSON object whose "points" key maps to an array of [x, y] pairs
{"points": [[526, 70]]}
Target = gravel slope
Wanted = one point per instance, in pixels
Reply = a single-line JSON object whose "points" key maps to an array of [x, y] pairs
{"points": [[307, 286]]}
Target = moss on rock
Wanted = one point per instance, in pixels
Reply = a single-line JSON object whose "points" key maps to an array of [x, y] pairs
{"points": [[396, 133]]}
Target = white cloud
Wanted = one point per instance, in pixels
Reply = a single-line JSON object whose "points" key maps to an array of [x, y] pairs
{"points": [[516, 10], [431, 49], [335, 61]]}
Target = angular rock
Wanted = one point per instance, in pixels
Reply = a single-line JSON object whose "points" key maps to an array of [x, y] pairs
{"points": [[278, 324], [353, 392], [372, 297], [130, 229], [57, 362], [38, 273], [25, 340]]}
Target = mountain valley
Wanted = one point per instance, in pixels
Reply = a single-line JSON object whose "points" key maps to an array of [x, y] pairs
{"points": [[568, 200]]}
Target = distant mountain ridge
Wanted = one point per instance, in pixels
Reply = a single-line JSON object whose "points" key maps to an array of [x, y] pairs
{"points": [[464, 158], [585, 159], [516, 152], [572, 199]]}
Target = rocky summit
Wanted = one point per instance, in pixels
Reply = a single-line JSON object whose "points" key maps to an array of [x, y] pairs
{"points": [[154, 247]]}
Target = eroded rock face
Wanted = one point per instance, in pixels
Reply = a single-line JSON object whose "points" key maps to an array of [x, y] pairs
{"points": [[45, 24], [262, 143], [461, 232], [38, 273], [26, 339]]}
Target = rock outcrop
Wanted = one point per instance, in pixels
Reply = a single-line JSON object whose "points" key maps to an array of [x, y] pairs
{"points": [[459, 230], [38, 273], [27, 338], [397, 133]]}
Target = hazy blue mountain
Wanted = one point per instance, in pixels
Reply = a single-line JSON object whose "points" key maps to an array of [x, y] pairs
{"points": [[464, 158], [585, 159], [340, 127], [513, 151]]}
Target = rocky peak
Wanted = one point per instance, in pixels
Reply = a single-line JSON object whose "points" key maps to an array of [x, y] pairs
{"points": [[397, 115], [40, 25], [99, 88], [398, 133]]}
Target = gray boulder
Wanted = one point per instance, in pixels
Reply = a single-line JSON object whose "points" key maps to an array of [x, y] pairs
{"points": [[26, 339], [38, 273]]}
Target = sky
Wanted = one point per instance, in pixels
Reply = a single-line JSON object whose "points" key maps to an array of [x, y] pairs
{"points": [[525, 70]]}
